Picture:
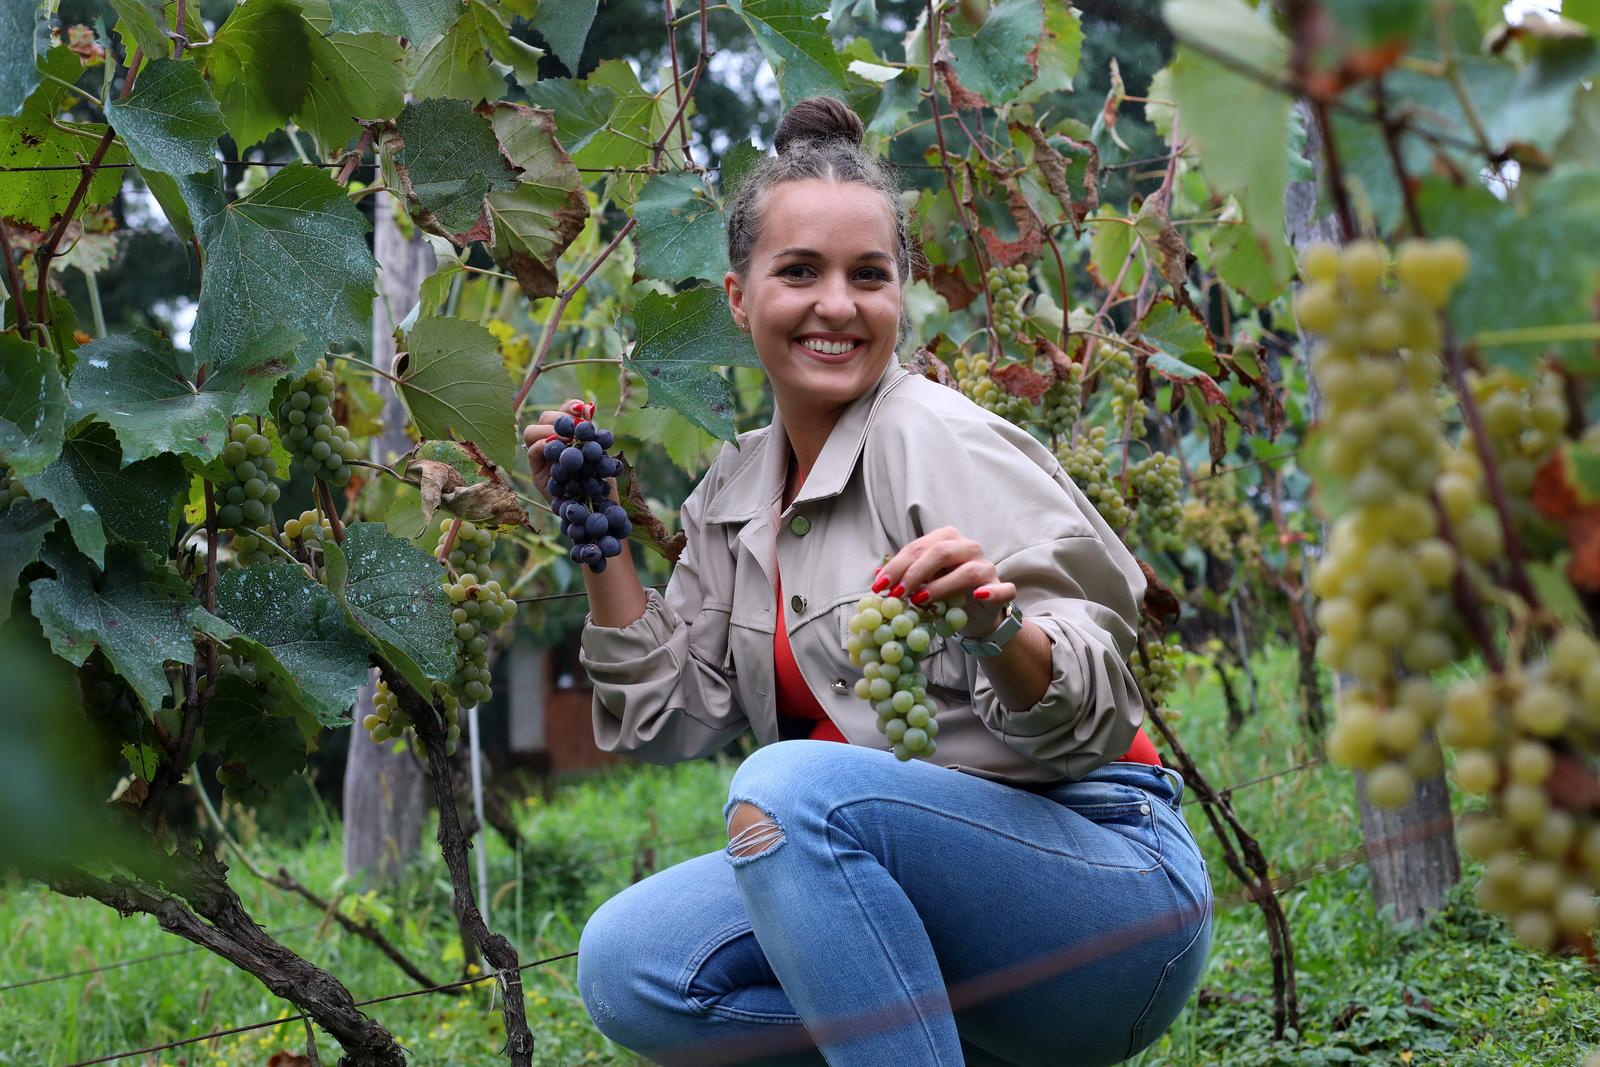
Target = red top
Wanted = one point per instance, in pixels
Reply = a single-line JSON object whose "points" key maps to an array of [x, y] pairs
{"points": [[800, 716]]}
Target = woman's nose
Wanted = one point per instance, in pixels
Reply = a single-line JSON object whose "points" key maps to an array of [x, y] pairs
{"points": [[835, 302]]}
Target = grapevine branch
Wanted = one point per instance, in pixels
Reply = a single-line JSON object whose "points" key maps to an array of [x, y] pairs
{"points": [[14, 280]]}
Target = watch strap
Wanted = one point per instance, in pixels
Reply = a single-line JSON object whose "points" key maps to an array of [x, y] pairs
{"points": [[1009, 627]]}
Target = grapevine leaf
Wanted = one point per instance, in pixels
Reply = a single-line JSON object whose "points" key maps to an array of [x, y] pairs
{"points": [[606, 120], [447, 159], [149, 24], [997, 58], [1534, 259], [1176, 370], [795, 41], [1180, 334], [91, 489], [415, 20], [136, 611], [24, 37], [737, 163], [1238, 257], [453, 64], [1057, 54], [680, 231], [535, 221], [511, 55], [682, 339], [1566, 489], [239, 729], [22, 529], [142, 387], [391, 592], [169, 122], [564, 24], [353, 76], [686, 445], [310, 650], [1238, 120], [38, 198], [32, 406], [454, 382], [293, 251], [259, 64], [1109, 246]]}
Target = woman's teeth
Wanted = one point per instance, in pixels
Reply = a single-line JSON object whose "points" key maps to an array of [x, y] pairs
{"points": [[828, 348]]}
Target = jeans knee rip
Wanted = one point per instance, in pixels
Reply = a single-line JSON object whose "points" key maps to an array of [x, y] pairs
{"points": [[753, 832]]}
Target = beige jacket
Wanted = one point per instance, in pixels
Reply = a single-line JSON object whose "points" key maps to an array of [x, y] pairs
{"points": [[909, 456]]}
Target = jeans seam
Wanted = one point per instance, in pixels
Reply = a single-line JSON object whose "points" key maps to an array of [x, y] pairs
{"points": [[698, 960], [1135, 1039]]}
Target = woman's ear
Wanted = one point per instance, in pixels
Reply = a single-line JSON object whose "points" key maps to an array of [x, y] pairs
{"points": [[730, 284]]}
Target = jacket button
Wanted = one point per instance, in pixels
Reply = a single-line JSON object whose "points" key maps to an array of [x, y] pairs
{"points": [[798, 603], [799, 525], [839, 686]]}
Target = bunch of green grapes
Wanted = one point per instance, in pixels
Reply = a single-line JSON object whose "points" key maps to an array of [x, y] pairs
{"points": [[480, 609], [1510, 730], [1008, 288], [310, 530], [1386, 576], [972, 378], [1117, 370], [246, 497], [473, 548], [274, 697], [310, 432], [1525, 422], [889, 638], [389, 723], [1215, 520], [1156, 669], [249, 546], [11, 487], [1157, 485], [1089, 468], [1063, 403]]}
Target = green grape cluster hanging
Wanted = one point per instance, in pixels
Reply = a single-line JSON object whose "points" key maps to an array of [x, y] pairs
{"points": [[388, 722], [1156, 669], [974, 382], [1089, 468], [1008, 288], [310, 530], [1157, 484], [310, 432], [250, 546], [1525, 422], [480, 609], [1215, 521], [1116, 369], [1063, 403], [246, 496], [889, 638]]}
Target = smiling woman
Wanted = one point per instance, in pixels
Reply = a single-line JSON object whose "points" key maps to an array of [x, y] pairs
{"points": [[1025, 893]]}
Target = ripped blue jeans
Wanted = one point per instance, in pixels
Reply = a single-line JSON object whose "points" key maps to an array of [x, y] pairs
{"points": [[874, 913]]}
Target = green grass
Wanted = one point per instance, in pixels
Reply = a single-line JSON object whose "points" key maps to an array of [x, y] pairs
{"points": [[1458, 991]]}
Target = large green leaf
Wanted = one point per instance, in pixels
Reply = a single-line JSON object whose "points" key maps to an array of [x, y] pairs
{"points": [[415, 20], [453, 64], [24, 37], [997, 58], [1239, 123], [1535, 260], [353, 76], [33, 404], [169, 122], [39, 197], [606, 120], [682, 340], [294, 630], [240, 730], [22, 529], [259, 64], [137, 612], [148, 24], [91, 489], [454, 382], [511, 54], [448, 160], [680, 232], [793, 37], [564, 24], [293, 251], [391, 592], [1240, 260], [1060, 49], [144, 389], [535, 221]]}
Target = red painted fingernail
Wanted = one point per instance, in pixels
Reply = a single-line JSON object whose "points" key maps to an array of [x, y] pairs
{"points": [[898, 590], [982, 594], [881, 584], [921, 597]]}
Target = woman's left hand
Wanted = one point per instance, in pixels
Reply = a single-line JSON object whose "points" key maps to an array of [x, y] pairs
{"points": [[942, 564]]}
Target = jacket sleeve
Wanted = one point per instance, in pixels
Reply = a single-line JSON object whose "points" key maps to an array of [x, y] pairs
{"points": [[660, 691], [1075, 578]]}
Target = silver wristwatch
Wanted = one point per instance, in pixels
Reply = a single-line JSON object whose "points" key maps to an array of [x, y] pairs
{"points": [[1009, 627]]}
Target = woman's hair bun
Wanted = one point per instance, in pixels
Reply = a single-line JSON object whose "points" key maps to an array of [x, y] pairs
{"points": [[818, 119]]}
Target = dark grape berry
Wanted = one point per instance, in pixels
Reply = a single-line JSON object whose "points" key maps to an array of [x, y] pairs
{"points": [[580, 497]]}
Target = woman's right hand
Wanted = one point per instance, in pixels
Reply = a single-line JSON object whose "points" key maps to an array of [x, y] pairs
{"points": [[535, 436]]}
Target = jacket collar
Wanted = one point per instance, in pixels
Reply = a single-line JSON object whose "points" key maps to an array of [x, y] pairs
{"points": [[758, 480]]}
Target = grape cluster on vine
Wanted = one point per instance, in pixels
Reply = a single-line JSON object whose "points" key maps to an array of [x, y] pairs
{"points": [[11, 487], [1063, 403], [250, 489], [1156, 483], [310, 432], [1089, 468], [889, 638], [1156, 667], [1525, 421], [480, 609], [1215, 521], [1116, 369], [389, 722], [973, 380], [580, 495], [1008, 288]]}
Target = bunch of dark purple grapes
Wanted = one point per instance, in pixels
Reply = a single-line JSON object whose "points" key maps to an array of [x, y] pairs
{"points": [[580, 495]]}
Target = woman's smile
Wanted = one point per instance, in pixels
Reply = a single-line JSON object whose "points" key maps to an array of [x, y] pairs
{"points": [[829, 348]]}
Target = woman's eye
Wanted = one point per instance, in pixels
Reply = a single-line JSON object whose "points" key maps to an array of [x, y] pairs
{"points": [[791, 269], [873, 274]]}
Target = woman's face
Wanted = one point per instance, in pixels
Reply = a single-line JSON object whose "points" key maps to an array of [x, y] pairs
{"points": [[821, 296]]}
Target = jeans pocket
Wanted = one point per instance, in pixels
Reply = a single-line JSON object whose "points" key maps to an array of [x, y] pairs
{"points": [[1126, 811], [1172, 990]]}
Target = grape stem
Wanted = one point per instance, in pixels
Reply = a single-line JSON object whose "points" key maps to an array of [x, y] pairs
{"points": [[326, 506], [449, 543]]}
